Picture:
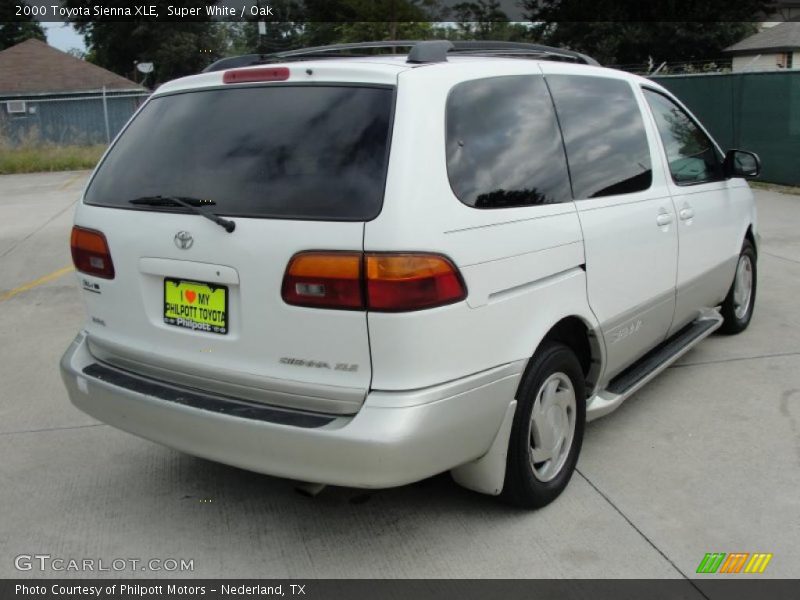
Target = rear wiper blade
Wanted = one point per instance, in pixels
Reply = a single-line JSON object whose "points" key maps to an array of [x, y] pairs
{"points": [[196, 205]]}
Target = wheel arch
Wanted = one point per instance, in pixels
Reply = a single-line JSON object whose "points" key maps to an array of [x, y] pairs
{"points": [[584, 340], [749, 235], [487, 473]]}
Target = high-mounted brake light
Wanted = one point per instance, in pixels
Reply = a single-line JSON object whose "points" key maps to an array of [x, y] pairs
{"points": [[384, 282], [256, 74], [90, 253]]}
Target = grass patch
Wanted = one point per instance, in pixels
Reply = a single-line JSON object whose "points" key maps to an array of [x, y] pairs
{"points": [[33, 158]]}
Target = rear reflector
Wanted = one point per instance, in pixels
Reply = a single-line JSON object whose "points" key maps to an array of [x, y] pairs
{"points": [[385, 282], [324, 280], [90, 253], [256, 74]]}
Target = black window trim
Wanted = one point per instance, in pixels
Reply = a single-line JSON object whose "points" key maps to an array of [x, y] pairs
{"points": [[339, 84], [561, 135], [694, 121]]}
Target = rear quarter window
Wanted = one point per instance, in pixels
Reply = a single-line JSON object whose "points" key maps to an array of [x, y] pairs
{"points": [[281, 151], [503, 144]]}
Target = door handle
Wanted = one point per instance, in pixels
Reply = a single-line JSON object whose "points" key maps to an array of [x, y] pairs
{"points": [[686, 212], [663, 219]]}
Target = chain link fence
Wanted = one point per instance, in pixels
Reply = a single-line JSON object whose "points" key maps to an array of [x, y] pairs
{"points": [[80, 119], [688, 67]]}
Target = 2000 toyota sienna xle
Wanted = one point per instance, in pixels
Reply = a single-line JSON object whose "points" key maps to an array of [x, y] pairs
{"points": [[365, 271]]}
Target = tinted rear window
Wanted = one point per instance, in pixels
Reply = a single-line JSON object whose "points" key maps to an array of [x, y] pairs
{"points": [[604, 135], [299, 152], [503, 144]]}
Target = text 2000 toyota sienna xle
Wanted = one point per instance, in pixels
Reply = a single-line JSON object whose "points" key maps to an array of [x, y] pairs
{"points": [[365, 271]]}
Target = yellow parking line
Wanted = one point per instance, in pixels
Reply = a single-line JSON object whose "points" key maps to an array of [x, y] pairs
{"points": [[36, 282], [70, 181]]}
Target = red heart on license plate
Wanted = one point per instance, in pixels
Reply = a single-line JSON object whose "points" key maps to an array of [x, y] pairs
{"points": [[190, 296]]}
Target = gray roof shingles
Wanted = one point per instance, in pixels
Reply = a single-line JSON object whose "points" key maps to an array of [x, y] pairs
{"points": [[784, 37], [33, 67]]}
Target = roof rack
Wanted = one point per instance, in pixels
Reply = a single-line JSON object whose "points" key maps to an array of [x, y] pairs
{"points": [[420, 52]]}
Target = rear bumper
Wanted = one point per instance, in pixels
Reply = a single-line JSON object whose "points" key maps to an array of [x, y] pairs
{"points": [[396, 438]]}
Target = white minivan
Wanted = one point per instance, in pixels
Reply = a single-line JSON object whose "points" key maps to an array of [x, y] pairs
{"points": [[365, 270]]}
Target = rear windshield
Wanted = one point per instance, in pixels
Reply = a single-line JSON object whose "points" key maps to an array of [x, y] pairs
{"points": [[292, 152]]}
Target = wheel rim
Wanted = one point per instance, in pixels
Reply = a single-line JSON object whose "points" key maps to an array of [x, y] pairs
{"points": [[552, 426], [743, 287]]}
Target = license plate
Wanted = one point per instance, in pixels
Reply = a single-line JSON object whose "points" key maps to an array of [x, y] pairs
{"points": [[195, 305]]}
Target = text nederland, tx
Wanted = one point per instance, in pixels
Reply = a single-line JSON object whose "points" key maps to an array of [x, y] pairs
{"points": [[124, 589]]}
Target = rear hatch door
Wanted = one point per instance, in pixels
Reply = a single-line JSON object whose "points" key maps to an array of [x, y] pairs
{"points": [[296, 168]]}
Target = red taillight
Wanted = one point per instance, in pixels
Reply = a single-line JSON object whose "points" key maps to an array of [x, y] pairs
{"points": [[400, 282], [324, 280], [90, 253], [384, 282], [256, 74]]}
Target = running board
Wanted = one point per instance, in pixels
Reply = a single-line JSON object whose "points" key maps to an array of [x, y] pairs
{"points": [[651, 364]]}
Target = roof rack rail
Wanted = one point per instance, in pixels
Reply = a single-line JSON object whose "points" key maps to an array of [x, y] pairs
{"points": [[522, 50], [421, 52]]}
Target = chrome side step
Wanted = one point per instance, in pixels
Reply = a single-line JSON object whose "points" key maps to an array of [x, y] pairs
{"points": [[651, 364]]}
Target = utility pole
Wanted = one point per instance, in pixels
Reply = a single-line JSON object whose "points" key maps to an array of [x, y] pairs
{"points": [[262, 29]]}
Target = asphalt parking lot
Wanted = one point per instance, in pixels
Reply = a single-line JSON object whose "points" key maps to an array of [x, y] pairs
{"points": [[704, 459]]}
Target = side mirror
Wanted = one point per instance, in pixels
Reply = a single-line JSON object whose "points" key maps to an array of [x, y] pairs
{"points": [[741, 163]]}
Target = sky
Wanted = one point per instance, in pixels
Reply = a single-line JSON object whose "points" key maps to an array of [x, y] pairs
{"points": [[63, 36]]}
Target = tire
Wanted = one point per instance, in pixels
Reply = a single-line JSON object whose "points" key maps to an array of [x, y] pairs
{"points": [[737, 308], [534, 481]]}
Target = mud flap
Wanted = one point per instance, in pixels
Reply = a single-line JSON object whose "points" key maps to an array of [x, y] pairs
{"points": [[487, 474]]}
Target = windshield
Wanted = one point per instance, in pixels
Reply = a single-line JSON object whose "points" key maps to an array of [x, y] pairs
{"points": [[295, 152]]}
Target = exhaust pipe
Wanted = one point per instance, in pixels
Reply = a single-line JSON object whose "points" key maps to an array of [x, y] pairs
{"points": [[308, 489]]}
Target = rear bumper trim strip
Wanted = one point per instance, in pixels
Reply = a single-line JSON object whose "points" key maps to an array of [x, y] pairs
{"points": [[219, 404]]}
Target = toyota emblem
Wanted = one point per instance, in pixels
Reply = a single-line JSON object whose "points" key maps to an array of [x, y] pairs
{"points": [[184, 240]]}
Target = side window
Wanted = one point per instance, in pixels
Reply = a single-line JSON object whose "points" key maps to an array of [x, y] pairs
{"points": [[691, 155], [503, 145], [604, 135]]}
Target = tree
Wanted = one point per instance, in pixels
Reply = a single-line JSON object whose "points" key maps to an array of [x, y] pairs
{"points": [[175, 48], [282, 32], [636, 30], [485, 20], [243, 37], [77, 53], [14, 29], [333, 21]]}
